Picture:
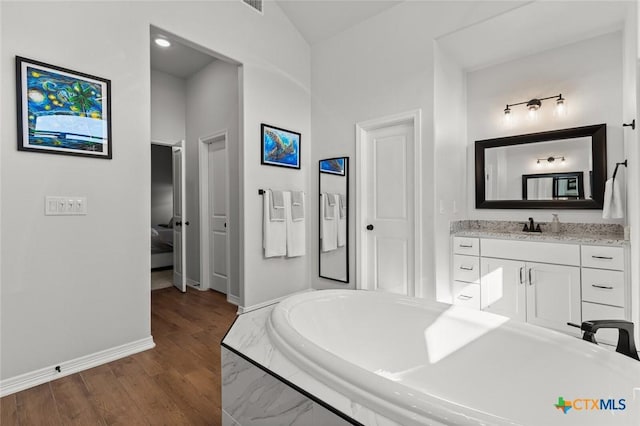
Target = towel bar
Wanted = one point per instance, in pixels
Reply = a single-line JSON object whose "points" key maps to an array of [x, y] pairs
{"points": [[615, 172]]}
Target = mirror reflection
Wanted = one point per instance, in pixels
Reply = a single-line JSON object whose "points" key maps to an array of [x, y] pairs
{"points": [[556, 169], [550, 170], [334, 218]]}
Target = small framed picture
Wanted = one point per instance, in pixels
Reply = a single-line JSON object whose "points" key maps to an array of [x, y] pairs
{"points": [[61, 111], [280, 147], [335, 166]]}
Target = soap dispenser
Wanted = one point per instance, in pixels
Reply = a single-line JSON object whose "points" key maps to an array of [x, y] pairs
{"points": [[555, 224]]}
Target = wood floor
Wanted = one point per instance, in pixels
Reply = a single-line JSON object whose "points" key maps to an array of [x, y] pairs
{"points": [[176, 383]]}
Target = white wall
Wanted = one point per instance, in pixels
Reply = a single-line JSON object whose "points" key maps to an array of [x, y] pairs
{"points": [[161, 184], [383, 66], [589, 76], [450, 146], [213, 106], [72, 286], [265, 279], [168, 107]]}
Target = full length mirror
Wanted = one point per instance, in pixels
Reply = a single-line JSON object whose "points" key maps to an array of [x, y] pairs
{"points": [[334, 218], [557, 169]]}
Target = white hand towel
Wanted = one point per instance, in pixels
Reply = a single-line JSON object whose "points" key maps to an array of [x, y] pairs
{"points": [[328, 227], [276, 210], [342, 221], [343, 205], [296, 228], [612, 208], [297, 206], [274, 234], [329, 206]]}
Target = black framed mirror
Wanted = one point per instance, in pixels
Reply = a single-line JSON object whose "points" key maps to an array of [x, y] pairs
{"points": [[559, 169], [333, 223]]}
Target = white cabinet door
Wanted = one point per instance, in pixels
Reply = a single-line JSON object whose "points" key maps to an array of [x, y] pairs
{"points": [[503, 287], [553, 296]]}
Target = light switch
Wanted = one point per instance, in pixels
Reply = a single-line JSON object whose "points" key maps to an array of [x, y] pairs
{"points": [[65, 206]]}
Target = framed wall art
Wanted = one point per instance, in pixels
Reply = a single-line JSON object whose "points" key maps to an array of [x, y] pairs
{"points": [[61, 111], [280, 147], [334, 166]]}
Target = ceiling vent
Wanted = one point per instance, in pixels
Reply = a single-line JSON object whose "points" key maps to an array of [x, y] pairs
{"points": [[254, 4]]}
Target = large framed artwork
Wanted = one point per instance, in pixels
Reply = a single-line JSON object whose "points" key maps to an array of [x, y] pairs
{"points": [[280, 147], [333, 166], [61, 111]]}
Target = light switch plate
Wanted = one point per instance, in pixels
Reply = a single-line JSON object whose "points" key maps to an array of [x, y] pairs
{"points": [[65, 206]]}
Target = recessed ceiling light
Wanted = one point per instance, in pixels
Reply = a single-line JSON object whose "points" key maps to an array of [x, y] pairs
{"points": [[162, 42]]}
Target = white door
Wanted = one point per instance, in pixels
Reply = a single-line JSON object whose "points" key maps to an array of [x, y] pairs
{"points": [[503, 287], [218, 221], [553, 296], [179, 236], [389, 209]]}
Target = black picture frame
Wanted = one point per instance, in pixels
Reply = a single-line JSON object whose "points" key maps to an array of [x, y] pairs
{"points": [[62, 111], [280, 147], [598, 134]]}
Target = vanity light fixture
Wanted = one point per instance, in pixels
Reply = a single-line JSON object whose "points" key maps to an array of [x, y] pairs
{"points": [[533, 105], [162, 42], [550, 159]]}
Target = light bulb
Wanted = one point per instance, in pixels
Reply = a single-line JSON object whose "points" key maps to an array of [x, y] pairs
{"points": [[162, 42], [561, 107], [507, 118]]}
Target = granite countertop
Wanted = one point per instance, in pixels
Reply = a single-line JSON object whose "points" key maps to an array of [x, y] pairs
{"points": [[576, 233]]}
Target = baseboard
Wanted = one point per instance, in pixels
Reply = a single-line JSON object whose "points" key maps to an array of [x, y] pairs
{"points": [[47, 374], [245, 309], [235, 300]]}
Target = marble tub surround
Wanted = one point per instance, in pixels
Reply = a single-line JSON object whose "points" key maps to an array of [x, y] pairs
{"points": [[248, 340], [586, 233], [252, 396]]}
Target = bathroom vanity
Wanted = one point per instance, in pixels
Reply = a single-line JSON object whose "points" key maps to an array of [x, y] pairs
{"points": [[543, 279]]}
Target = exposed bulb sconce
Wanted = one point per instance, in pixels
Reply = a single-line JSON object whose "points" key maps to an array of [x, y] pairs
{"points": [[550, 159], [534, 105]]}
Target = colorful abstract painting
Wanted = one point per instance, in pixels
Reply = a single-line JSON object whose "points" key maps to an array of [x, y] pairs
{"points": [[280, 147], [333, 165], [62, 111]]}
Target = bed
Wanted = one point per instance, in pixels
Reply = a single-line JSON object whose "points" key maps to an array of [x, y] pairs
{"points": [[161, 246]]}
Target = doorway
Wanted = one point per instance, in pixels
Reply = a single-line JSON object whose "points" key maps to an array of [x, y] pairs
{"points": [[388, 204], [195, 93]]}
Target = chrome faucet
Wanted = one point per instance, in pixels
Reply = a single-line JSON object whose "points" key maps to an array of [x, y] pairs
{"points": [[531, 227]]}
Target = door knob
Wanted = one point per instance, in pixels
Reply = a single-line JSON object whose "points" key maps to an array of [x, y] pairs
{"points": [[186, 223], [369, 227], [178, 223]]}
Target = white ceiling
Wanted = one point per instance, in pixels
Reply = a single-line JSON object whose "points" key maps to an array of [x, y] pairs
{"points": [[178, 59], [536, 26], [532, 28], [318, 20]]}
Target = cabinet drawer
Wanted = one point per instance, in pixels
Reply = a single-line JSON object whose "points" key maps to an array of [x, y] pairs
{"points": [[528, 251], [466, 294], [602, 286], [603, 257], [466, 268], [468, 246], [593, 311]]}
